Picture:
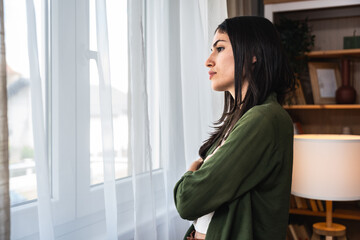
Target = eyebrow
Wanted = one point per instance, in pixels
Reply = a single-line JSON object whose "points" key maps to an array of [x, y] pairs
{"points": [[214, 45]]}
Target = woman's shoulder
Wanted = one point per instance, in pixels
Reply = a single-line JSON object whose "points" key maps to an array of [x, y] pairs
{"points": [[269, 112]]}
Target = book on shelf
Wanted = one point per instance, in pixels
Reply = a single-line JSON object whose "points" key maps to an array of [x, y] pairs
{"points": [[304, 203], [297, 232], [292, 201], [304, 234], [320, 205], [301, 203], [292, 234], [313, 205], [298, 202]]}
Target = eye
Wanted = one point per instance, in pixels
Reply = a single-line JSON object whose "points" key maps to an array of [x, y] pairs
{"points": [[219, 49]]}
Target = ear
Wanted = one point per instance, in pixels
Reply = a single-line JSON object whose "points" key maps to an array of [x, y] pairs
{"points": [[254, 60]]}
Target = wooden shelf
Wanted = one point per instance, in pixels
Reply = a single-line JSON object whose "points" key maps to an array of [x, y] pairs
{"points": [[338, 213], [330, 106], [334, 53], [330, 22]]}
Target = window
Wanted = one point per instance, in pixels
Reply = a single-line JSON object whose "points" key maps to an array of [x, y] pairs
{"points": [[117, 35], [55, 34], [90, 169], [74, 120], [21, 146], [118, 46]]}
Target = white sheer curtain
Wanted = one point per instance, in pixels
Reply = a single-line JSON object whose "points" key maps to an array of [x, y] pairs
{"points": [[198, 21], [140, 154], [46, 230], [168, 45], [103, 63], [170, 109]]}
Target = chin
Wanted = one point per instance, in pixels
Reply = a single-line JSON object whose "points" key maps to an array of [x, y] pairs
{"points": [[217, 88]]}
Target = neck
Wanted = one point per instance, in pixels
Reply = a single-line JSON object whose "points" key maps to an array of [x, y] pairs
{"points": [[244, 89]]}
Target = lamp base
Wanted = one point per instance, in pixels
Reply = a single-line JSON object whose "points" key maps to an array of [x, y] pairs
{"points": [[336, 230]]}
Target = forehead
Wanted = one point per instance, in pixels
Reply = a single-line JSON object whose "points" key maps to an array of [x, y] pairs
{"points": [[221, 36]]}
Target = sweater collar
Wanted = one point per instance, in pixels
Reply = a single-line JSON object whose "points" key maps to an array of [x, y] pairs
{"points": [[271, 98]]}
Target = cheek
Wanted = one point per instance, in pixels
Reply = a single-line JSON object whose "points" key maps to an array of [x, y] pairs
{"points": [[228, 65], [229, 71], [231, 64]]}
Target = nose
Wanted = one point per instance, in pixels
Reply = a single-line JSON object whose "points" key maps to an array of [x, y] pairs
{"points": [[209, 62]]}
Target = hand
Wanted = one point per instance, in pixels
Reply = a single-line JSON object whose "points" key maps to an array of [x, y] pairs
{"points": [[196, 165]]}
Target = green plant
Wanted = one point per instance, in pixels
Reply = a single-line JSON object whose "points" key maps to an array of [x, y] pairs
{"points": [[297, 40]]}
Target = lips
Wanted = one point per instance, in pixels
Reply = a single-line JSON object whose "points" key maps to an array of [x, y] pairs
{"points": [[211, 74]]}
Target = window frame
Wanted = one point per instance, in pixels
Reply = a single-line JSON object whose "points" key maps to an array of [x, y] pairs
{"points": [[60, 71], [77, 207], [90, 198]]}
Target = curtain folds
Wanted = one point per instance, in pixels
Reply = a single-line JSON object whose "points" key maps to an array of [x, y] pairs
{"points": [[46, 229], [141, 152], [170, 103], [198, 21], [103, 63], [170, 112], [4, 148]]}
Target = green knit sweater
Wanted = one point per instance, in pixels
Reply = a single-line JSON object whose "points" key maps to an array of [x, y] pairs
{"points": [[247, 181]]}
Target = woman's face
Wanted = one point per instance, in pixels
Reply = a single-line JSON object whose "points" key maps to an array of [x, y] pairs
{"points": [[221, 64]]}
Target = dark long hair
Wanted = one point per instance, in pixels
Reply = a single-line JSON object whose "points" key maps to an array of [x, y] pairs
{"points": [[249, 37]]}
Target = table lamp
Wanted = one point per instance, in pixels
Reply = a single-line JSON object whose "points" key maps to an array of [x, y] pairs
{"points": [[327, 167]]}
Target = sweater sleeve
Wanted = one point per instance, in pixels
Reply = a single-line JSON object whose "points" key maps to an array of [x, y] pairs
{"points": [[239, 165]]}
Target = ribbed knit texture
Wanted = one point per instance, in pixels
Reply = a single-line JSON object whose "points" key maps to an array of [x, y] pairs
{"points": [[247, 181]]}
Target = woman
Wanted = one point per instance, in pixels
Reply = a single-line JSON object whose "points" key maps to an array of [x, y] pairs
{"points": [[241, 190]]}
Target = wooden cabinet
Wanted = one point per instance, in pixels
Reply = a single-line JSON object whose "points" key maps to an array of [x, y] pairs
{"points": [[333, 119], [336, 118], [330, 20]]}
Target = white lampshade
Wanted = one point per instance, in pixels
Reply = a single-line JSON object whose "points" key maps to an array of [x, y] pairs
{"points": [[326, 167]]}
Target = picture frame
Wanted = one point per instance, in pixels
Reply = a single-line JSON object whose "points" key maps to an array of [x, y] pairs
{"points": [[325, 79]]}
